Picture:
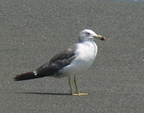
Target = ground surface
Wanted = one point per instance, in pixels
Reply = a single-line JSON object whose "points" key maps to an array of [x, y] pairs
{"points": [[32, 31]]}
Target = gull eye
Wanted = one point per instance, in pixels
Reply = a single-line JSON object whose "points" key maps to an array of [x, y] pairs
{"points": [[87, 33]]}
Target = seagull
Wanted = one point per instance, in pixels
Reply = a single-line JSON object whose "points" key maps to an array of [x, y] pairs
{"points": [[73, 60]]}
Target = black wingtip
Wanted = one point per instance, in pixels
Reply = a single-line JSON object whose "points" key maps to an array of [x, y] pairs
{"points": [[25, 76]]}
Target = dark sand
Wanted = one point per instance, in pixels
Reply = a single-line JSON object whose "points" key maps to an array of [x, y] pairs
{"points": [[32, 31]]}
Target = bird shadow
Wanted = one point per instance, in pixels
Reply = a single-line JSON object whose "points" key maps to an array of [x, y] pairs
{"points": [[39, 93]]}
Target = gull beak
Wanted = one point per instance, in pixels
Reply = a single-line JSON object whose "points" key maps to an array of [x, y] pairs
{"points": [[100, 37]]}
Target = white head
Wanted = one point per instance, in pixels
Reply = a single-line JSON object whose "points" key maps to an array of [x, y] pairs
{"points": [[87, 35]]}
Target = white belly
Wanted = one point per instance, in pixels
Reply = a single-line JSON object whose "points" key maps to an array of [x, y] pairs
{"points": [[85, 55]]}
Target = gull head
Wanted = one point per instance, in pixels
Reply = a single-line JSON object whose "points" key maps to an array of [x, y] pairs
{"points": [[87, 35]]}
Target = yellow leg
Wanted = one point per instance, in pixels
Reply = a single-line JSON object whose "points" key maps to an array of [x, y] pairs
{"points": [[71, 92], [77, 90], [75, 81]]}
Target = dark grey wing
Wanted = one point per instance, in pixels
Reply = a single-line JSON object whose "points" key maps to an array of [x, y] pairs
{"points": [[59, 61]]}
